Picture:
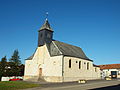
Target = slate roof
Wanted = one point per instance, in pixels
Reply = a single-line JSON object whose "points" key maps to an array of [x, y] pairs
{"points": [[96, 65], [70, 50], [45, 26], [57, 48], [30, 58], [110, 66]]}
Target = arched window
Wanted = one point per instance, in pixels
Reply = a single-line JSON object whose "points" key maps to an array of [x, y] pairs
{"points": [[70, 63]]}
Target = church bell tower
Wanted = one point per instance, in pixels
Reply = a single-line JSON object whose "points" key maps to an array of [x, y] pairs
{"points": [[45, 34]]}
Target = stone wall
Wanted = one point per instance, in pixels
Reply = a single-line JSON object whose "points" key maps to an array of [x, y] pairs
{"points": [[75, 73]]}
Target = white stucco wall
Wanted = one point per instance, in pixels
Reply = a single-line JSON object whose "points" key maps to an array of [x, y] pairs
{"points": [[74, 73], [107, 72], [51, 66], [32, 66]]}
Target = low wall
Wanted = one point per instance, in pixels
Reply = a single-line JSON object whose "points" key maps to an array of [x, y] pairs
{"points": [[8, 78]]}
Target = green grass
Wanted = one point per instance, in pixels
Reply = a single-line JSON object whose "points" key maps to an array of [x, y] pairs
{"points": [[15, 85]]}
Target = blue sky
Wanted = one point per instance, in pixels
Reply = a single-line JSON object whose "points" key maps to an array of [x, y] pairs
{"points": [[93, 25]]}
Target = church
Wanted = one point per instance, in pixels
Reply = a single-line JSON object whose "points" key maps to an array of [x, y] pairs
{"points": [[56, 61]]}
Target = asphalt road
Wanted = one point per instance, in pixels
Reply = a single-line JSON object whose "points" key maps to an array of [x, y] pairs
{"points": [[90, 85]]}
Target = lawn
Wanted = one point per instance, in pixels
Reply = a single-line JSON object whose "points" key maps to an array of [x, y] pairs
{"points": [[15, 85]]}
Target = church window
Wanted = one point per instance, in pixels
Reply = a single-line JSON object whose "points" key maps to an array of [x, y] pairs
{"points": [[88, 66], [79, 64], [95, 69], [70, 63]]}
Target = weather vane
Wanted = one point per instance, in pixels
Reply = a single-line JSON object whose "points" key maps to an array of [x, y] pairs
{"points": [[46, 15]]}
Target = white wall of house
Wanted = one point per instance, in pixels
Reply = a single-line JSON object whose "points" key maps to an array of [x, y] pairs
{"points": [[107, 72], [75, 73]]}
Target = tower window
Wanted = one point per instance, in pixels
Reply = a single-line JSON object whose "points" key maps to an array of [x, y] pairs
{"points": [[41, 35], [88, 66], [79, 64], [70, 63]]}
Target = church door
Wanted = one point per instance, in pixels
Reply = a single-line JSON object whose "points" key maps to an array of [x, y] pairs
{"points": [[40, 71]]}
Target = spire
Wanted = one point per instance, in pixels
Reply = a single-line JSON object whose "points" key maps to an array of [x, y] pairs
{"points": [[46, 24]]}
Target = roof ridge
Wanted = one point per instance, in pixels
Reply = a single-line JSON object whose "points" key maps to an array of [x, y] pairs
{"points": [[71, 50], [57, 47], [110, 66], [68, 44]]}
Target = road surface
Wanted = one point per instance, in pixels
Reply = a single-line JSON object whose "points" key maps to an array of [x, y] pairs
{"points": [[90, 85]]}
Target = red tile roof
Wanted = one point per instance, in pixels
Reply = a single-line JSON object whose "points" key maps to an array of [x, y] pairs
{"points": [[110, 66]]}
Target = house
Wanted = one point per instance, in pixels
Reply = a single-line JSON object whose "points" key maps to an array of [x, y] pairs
{"points": [[55, 61], [110, 70]]}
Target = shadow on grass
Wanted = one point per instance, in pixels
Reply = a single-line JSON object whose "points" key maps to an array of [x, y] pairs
{"points": [[115, 87]]}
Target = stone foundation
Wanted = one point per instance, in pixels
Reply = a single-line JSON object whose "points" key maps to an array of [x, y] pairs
{"points": [[43, 78], [53, 79], [56, 78], [31, 78], [71, 79]]}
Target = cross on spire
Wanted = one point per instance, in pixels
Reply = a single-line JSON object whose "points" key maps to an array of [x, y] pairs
{"points": [[46, 24], [46, 15]]}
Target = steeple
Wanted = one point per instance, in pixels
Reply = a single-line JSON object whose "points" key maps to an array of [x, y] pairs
{"points": [[46, 26], [45, 34]]}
